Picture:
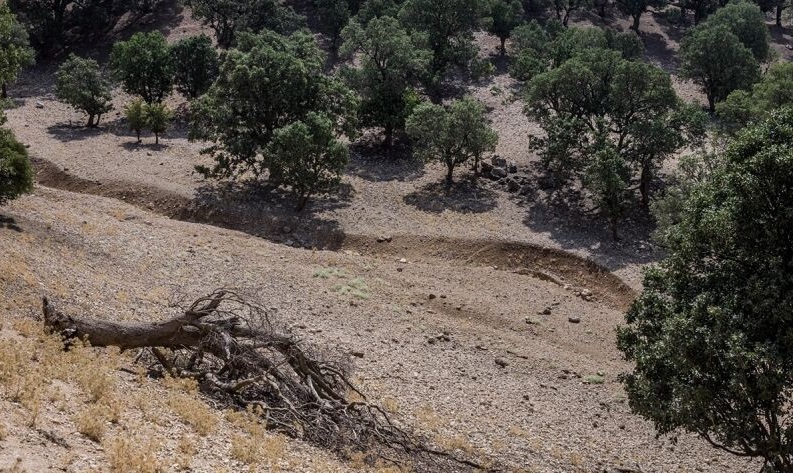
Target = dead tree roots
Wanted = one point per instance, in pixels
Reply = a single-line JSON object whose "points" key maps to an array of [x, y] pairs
{"points": [[239, 356]]}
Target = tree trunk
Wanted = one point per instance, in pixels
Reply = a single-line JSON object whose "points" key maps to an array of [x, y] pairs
{"points": [[302, 200], [156, 138], [388, 141], [711, 104], [644, 185], [503, 45], [636, 21], [450, 173], [90, 123], [4, 92], [126, 335], [137, 133], [779, 9], [613, 228]]}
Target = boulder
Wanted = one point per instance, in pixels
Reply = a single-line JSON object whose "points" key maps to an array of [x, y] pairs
{"points": [[498, 162], [498, 172]]}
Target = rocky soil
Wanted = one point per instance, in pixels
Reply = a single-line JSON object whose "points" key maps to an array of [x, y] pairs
{"points": [[470, 312]]}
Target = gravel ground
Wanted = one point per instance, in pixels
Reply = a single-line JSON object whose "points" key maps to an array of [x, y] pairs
{"points": [[530, 410]]}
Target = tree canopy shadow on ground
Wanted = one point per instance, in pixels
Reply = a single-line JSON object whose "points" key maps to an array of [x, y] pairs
{"points": [[573, 224], [74, 131], [464, 196], [266, 211], [8, 223], [369, 161]]}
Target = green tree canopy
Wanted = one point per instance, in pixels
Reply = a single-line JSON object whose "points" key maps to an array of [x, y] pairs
{"points": [[597, 99], [56, 24], [80, 84], [269, 81], [228, 18], [715, 58], [392, 61], [710, 334], [157, 117], [505, 15], [535, 49], [16, 175], [774, 91], [333, 16], [307, 157], [608, 176], [15, 51], [143, 66], [135, 113], [195, 65], [747, 22], [564, 8], [637, 8], [449, 25], [451, 134]]}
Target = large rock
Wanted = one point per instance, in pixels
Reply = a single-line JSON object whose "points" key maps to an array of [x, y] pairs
{"points": [[498, 173], [486, 168], [498, 162], [512, 185], [512, 168]]}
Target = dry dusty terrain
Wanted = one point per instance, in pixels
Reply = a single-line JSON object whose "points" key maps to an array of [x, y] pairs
{"points": [[462, 279]]}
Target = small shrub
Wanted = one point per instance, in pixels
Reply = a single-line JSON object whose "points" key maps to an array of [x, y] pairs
{"points": [[356, 287], [594, 379], [91, 422]]}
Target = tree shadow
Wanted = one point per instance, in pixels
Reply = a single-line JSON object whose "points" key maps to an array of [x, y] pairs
{"points": [[268, 212], [465, 196], [66, 132], [136, 146], [371, 162], [568, 218], [9, 223], [657, 50]]}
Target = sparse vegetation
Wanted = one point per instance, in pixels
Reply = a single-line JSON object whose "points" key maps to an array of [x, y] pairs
{"points": [[426, 292]]}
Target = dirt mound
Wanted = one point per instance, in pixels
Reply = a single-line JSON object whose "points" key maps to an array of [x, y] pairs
{"points": [[549, 264]]}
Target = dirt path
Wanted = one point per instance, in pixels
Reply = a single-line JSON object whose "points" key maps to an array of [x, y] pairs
{"points": [[565, 269]]}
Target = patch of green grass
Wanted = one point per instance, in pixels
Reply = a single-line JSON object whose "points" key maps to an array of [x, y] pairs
{"points": [[327, 273], [594, 379], [356, 287]]}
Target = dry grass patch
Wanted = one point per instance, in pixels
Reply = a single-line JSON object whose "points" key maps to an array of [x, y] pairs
{"points": [[132, 455], [193, 412], [254, 445]]}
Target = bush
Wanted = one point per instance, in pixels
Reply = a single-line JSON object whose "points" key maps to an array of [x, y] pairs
{"points": [[157, 117], [307, 157], [136, 116], [16, 175], [195, 65], [81, 85]]}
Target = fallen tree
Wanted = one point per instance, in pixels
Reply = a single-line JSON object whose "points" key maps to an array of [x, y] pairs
{"points": [[240, 357]]}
